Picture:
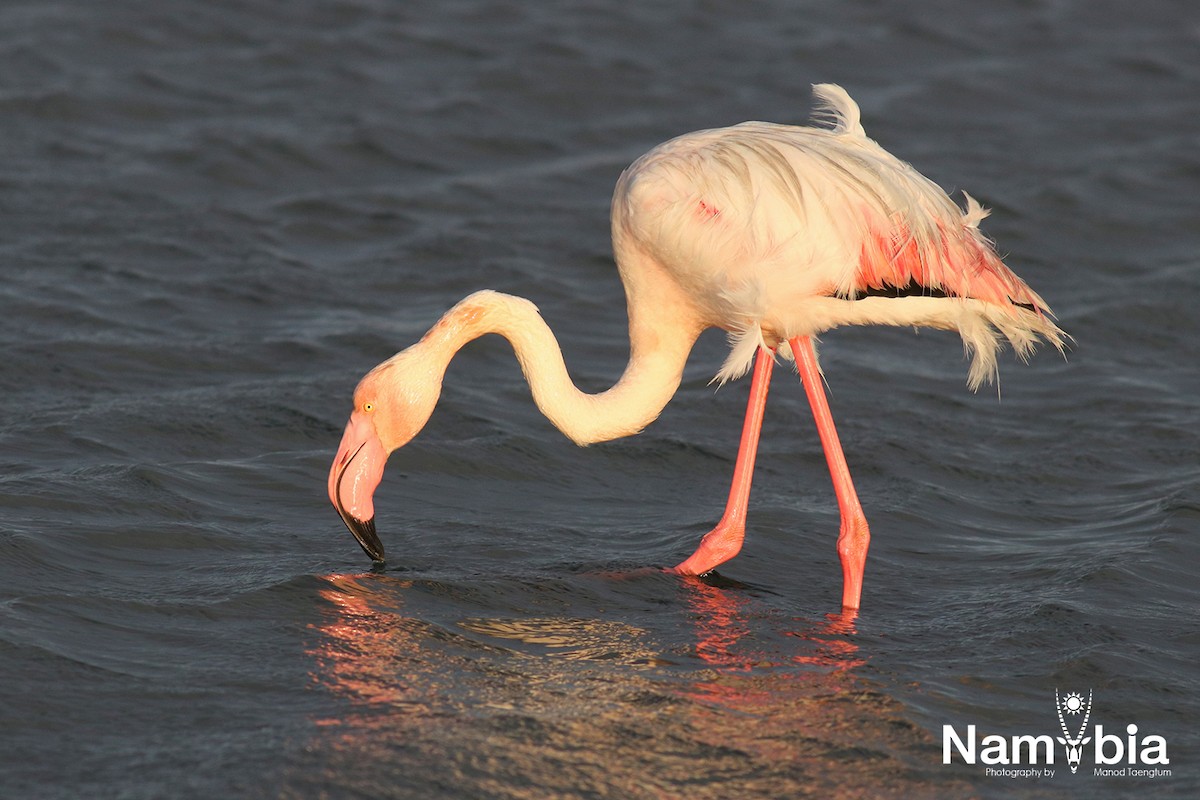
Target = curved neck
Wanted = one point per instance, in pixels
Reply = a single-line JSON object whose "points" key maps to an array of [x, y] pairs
{"points": [[658, 352]]}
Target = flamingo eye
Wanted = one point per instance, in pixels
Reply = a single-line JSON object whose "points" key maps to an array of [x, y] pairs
{"points": [[368, 407]]}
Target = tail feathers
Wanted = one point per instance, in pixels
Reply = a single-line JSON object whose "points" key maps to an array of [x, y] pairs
{"points": [[975, 213], [834, 105], [982, 334]]}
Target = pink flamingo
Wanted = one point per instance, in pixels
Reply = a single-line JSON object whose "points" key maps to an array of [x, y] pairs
{"points": [[774, 233]]}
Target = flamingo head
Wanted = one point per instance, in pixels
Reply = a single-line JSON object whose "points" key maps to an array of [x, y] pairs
{"points": [[391, 405]]}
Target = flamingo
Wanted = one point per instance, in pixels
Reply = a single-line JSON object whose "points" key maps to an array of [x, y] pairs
{"points": [[775, 234]]}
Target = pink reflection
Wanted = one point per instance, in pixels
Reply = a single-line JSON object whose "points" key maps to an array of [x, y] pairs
{"points": [[750, 674], [363, 646], [371, 654], [774, 709]]}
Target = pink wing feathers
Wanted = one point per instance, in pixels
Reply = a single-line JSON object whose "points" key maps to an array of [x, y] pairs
{"points": [[955, 261]]}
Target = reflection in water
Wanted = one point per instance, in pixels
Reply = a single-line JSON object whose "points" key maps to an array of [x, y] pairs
{"points": [[571, 639], [731, 641], [361, 647], [720, 694], [723, 630]]}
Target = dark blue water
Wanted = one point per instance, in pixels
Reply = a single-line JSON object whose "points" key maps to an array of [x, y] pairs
{"points": [[215, 216]]}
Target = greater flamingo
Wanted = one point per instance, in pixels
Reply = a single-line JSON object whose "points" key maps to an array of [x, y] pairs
{"points": [[772, 232]]}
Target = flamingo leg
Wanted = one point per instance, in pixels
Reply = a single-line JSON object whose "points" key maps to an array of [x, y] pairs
{"points": [[854, 537], [724, 541]]}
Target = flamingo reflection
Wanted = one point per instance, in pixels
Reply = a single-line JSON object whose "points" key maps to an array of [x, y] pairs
{"points": [[370, 652], [363, 644], [775, 706], [730, 640]]}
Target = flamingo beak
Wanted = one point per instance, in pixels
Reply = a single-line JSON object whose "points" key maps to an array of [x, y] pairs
{"points": [[353, 478]]}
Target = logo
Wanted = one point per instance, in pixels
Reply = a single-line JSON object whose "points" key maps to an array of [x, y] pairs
{"points": [[1033, 755], [1074, 744]]}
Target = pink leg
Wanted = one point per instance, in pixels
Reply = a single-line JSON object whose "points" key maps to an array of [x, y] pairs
{"points": [[854, 537], [724, 541]]}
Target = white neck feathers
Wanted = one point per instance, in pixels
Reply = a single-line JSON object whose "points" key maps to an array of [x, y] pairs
{"points": [[657, 358]]}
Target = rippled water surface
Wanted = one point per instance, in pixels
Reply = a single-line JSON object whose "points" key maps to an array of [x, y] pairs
{"points": [[217, 215]]}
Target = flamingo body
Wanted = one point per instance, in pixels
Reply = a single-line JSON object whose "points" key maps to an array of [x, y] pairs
{"points": [[773, 233]]}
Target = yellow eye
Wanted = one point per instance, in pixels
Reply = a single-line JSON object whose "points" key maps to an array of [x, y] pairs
{"points": [[368, 406]]}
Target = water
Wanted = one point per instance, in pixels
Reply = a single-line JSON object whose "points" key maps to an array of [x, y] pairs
{"points": [[216, 216]]}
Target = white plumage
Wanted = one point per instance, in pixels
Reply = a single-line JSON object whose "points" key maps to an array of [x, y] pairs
{"points": [[778, 229]]}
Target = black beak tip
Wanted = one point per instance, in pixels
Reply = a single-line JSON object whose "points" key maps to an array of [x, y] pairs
{"points": [[364, 532]]}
